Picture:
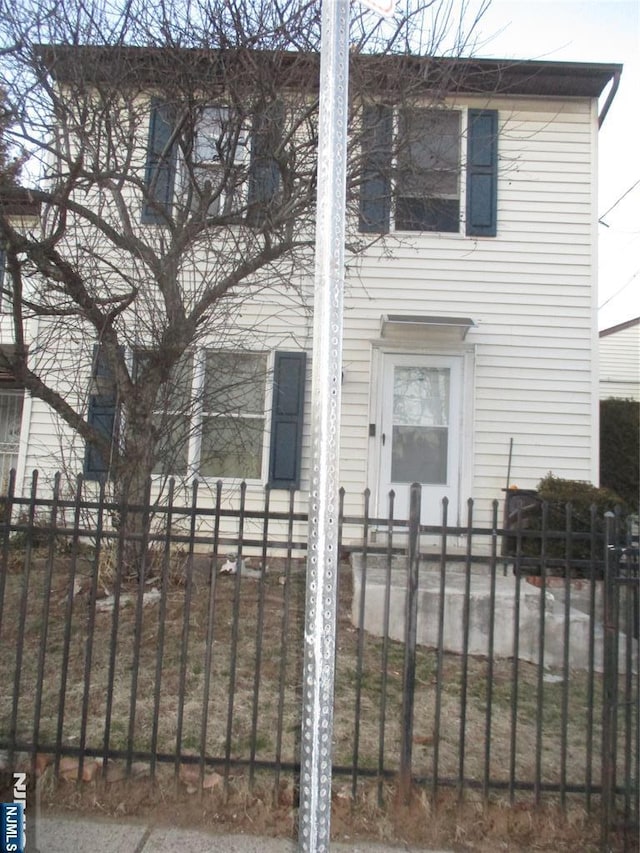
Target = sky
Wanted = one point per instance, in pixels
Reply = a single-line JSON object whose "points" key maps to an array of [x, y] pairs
{"points": [[591, 31]]}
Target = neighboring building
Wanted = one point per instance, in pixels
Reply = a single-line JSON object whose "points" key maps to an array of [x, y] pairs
{"points": [[472, 323], [12, 395], [620, 361]]}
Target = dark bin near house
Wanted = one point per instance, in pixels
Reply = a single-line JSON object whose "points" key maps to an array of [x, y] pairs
{"points": [[519, 507]]}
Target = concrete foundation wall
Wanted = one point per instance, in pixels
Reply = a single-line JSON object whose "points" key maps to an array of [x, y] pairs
{"points": [[531, 603]]}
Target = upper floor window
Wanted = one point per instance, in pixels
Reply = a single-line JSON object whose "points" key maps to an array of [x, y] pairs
{"points": [[427, 191], [414, 165], [213, 160], [220, 149]]}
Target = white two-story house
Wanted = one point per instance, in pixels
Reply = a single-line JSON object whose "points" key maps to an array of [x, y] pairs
{"points": [[470, 337]]}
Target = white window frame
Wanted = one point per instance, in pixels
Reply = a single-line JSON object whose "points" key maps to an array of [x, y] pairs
{"points": [[214, 116], [462, 175], [201, 414]]}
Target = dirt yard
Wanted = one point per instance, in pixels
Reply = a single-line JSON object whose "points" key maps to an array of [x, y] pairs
{"points": [[149, 672]]}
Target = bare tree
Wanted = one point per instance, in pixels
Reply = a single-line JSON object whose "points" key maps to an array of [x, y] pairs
{"points": [[172, 149]]}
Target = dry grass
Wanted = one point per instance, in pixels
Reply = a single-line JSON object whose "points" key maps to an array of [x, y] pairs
{"points": [[237, 697], [158, 674]]}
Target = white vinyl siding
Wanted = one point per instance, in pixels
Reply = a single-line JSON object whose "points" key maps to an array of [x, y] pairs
{"points": [[620, 362], [529, 360], [529, 291]]}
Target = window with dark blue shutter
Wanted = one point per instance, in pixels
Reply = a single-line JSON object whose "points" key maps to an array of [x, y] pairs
{"points": [[287, 414], [264, 171], [482, 173], [375, 190], [101, 414], [161, 163]]}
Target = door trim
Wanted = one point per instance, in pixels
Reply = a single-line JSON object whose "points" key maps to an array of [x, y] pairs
{"points": [[379, 350]]}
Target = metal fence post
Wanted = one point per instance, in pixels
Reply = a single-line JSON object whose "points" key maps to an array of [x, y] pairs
{"points": [[609, 680], [411, 632]]}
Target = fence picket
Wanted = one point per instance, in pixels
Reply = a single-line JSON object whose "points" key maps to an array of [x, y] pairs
{"points": [[411, 628], [465, 649]]}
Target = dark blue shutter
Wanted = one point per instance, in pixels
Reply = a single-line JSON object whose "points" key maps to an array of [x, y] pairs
{"points": [[264, 171], [375, 189], [482, 173], [161, 164], [101, 414], [287, 414]]}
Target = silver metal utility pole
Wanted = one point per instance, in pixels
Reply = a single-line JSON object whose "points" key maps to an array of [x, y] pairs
{"points": [[323, 557]]}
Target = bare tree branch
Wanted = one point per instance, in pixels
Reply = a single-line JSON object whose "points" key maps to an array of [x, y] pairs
{"points": [[152, 237]]}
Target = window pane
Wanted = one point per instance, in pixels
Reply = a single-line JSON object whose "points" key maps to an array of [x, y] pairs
{"points": [[232, 435], [232, 447], [429, 140], [210, 181], [428, 214], [175, 395], [220, 146], [235, 383], [172, 418], [10, 422], [421, 396], [220, 137], [212, 136], [419, 455]]}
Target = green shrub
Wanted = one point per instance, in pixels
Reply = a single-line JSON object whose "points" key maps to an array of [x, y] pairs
{"points": [[620, 448], [588, 505], [581, 495]]}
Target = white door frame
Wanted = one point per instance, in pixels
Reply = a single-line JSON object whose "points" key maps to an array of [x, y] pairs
{"points": [[380, 358]]}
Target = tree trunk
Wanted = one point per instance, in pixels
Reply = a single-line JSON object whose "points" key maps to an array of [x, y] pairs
{"points": [[133, 489]]}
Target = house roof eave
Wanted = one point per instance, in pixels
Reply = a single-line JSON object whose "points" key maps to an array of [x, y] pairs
{"points": [[628, 324], [443, 74]]}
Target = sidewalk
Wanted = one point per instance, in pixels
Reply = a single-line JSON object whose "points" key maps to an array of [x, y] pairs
{"points": [[77, 835]]}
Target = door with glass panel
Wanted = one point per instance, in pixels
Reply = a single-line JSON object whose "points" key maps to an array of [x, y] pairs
{"points": [[419, 435]]}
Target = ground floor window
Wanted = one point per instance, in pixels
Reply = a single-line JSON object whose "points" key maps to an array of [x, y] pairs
{"points": [[221, 414], [10, 421], [211, 416], [233, 416]]}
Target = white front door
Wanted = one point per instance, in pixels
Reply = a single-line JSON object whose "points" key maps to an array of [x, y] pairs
{"points": [[419, 438]]}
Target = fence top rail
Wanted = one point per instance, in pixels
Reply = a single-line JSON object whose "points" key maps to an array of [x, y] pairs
{"points": [[45, 512], [112, 506], [382, 527]]}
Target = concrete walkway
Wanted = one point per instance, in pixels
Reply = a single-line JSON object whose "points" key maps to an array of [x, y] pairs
{"points": [[57, 834]]}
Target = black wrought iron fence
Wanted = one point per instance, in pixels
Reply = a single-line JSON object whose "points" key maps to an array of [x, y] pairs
{"points": [[458, 664]]}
